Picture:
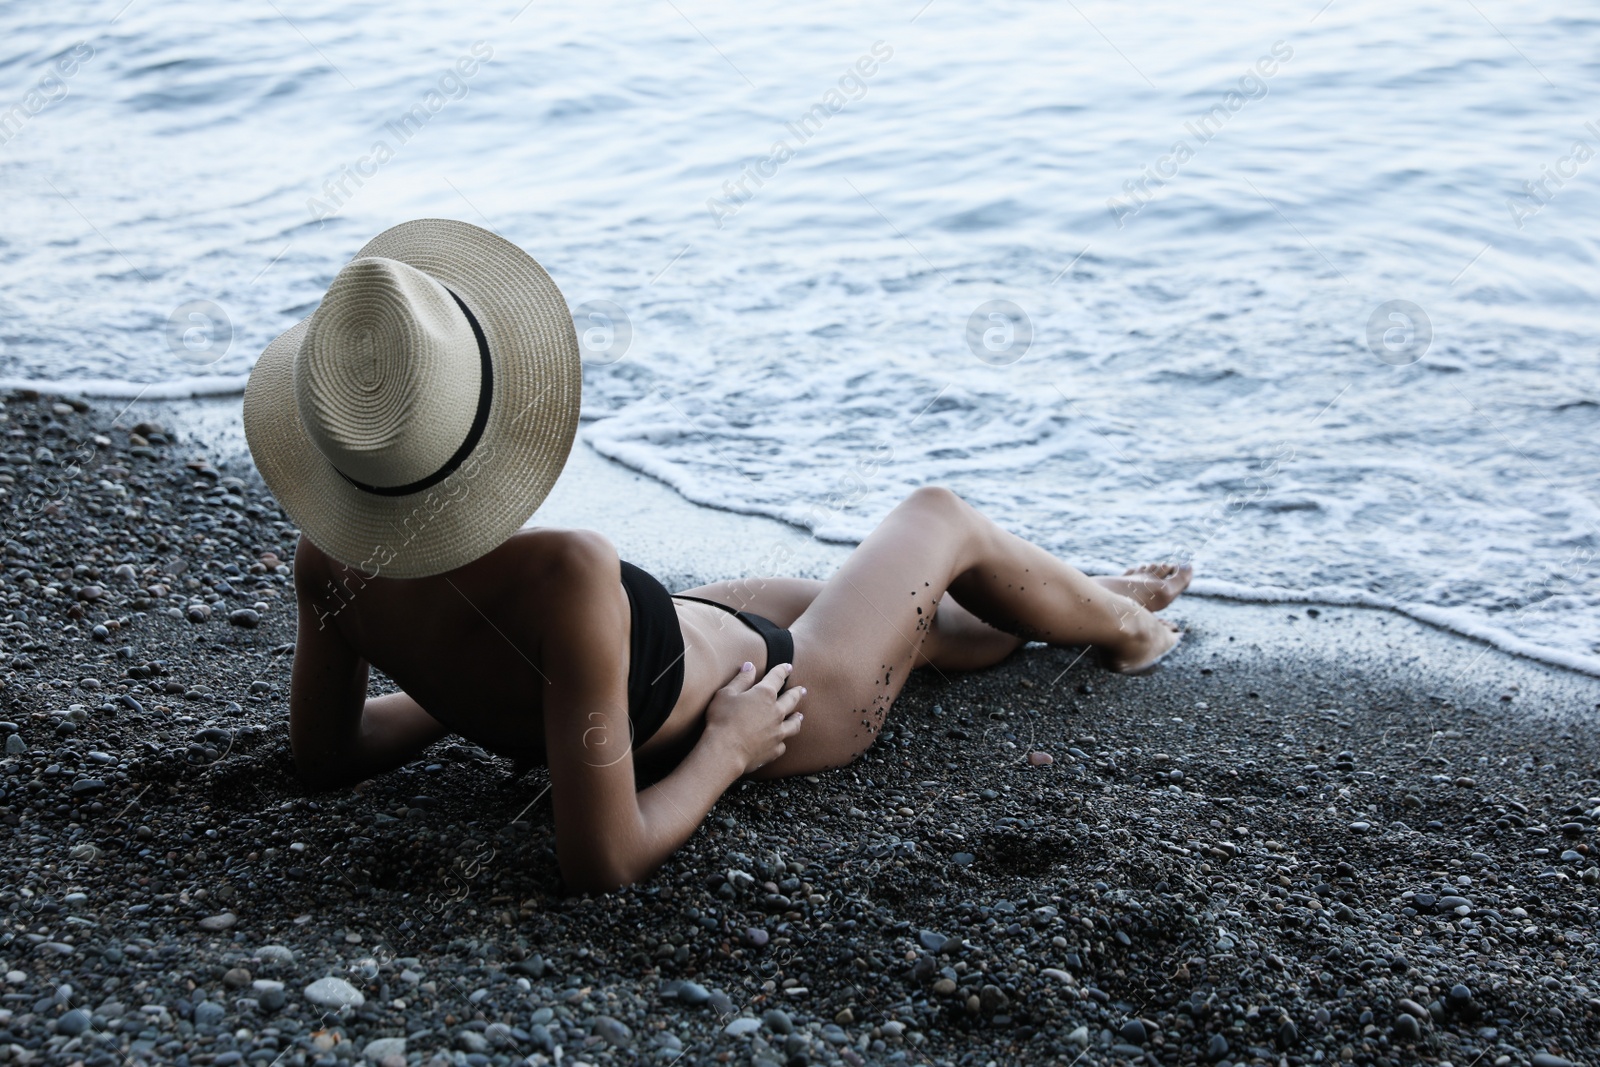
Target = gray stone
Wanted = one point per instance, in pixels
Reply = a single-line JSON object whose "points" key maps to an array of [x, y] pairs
{"points": [[73, 1022], [992, 998], [379, 1047], [611, 1031], [275, 953], [334, 993], [693, 993], [217, 923], [777, 1021], [741, 1026], [15, 745], [269, 994], [207, 1013]]}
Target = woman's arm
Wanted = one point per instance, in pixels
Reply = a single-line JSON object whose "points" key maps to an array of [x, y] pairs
{"points": [[607, 833], [339, 737]]}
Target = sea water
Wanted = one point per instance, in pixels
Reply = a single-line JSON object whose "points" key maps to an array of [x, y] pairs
{"points": [[1304, 293]]}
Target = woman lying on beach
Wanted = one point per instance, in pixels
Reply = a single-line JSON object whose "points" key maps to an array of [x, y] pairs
{"points": [[413, 424]]}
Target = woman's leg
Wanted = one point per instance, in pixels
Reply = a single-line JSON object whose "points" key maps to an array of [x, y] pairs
{"points": [[866, 628], [957, 641]]}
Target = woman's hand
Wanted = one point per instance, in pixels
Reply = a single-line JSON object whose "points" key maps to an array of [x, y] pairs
{"points": [[752, 718]]}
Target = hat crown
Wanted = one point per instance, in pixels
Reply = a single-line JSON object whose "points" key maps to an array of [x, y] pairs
{"points": [[388, 375]]}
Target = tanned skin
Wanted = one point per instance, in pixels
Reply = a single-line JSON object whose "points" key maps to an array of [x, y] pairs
{"points": [[525, 652]]}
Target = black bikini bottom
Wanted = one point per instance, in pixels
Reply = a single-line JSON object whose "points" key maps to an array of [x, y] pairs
{"points": [[779, 642], [655, 653]]}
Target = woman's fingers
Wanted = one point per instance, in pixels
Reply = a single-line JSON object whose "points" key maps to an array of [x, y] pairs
{"points": [[791, 699], [744, 680], [776, 677], [791, 725]]}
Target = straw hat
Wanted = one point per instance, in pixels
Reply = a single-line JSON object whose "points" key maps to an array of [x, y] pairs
{"points": [[423, 412]]}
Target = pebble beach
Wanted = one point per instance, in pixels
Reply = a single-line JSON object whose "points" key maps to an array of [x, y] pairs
{"points": [[1314, 836]]}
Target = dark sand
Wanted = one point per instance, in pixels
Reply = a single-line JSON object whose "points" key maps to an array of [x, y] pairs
{"points": [[1247, 857]]}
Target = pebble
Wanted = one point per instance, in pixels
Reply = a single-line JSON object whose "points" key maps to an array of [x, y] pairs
{"points": [[1133, 1032], [218, 923], [1040, 759], [1412, 1008], [693, 994], [198, 612], [1547, 1059], [236, 978], [777, 1020], [1079, 1037], [741, 1026], [269, 994], [932, 940], [208, 1013], [1407, 1028], [380, 1048], [334, 993], [275, 954], [88, 787], [73, 1022], [15, 746], [611, 1031], [756, 936], [248, 618], [1217, 1047]]}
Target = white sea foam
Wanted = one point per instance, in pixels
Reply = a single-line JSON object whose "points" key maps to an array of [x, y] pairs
{"points": [[112, 389]]}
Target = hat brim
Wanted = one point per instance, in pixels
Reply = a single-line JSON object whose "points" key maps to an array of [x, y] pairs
{"points": [[533, 417]]}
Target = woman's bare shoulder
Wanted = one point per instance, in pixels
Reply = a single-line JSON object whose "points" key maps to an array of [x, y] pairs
{"points": [[558, 549], [311, 566]]}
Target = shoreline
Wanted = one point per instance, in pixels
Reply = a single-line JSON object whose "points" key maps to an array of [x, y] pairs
{"points": [[1315, 835], [688, 544]]}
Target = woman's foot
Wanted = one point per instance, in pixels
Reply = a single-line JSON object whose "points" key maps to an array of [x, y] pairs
{"points": [[1152, 585], [1149, 640]]}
